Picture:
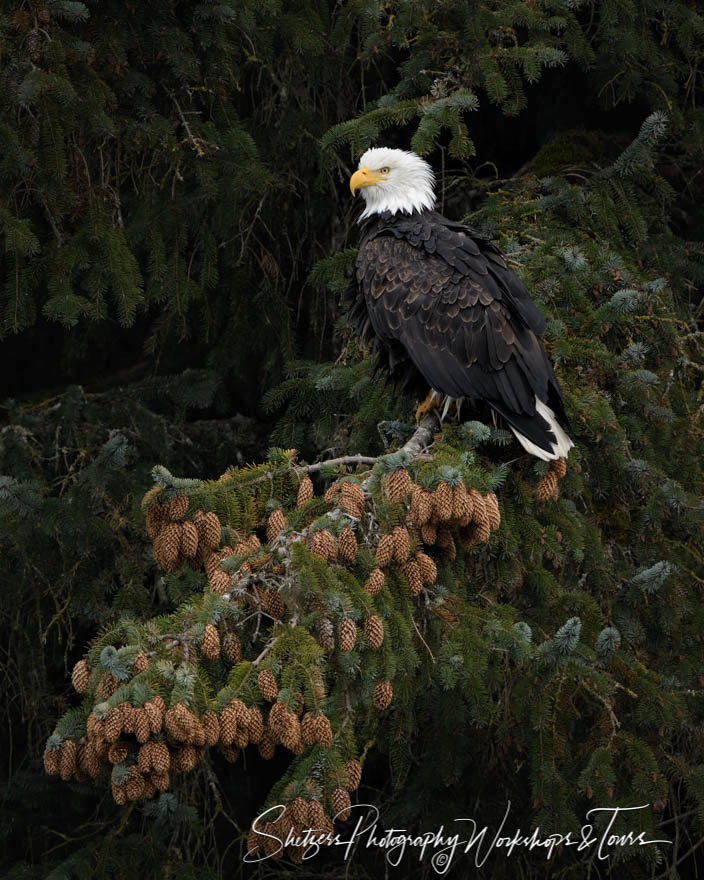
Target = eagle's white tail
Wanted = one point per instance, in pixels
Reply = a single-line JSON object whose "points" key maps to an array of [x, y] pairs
{"points": [[559, 449]]}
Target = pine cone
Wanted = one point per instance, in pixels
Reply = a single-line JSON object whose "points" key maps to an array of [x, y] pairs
{"points": [[119, 793], [341, 804], [317, 817], [468, 535], [232, 648], [211, 531], [142, 726], [135, 784], [187, 759], [89, 761], [276, 523], [309, 729], [305, 491], [421, 506], [211, 728], [332, 492], [155, 519], [167, 547], [385, 550], [255, 725], [354, 774], [117, 752], [228, 726], [221, 582], [547, 485], [374, 631], [154, 716], [461, 505], [127, 711], [210, 643], [273, 604], [375, 582], [347, 545], [267, 685], [383, 694], [176, 508], [144, 758], [298, 808], [412, 573], [402, 544], [398, 485], [346, 634], [325, 635], [51, 760], [442, 502], [491, 503], [447, 543], [429, 533], [67, 759], [140, 663], [161, 781], [351, 498], [323, 730], [323, 544], [80, 676], [559, 467], [267, 746], [113, 725], [189, 540], [161, 759], [427, 567]]}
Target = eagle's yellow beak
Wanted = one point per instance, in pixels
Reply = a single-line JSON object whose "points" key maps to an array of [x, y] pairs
{"points": [[363, 177]]}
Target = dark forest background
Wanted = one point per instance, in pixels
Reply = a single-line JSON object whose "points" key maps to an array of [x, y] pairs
{"points": [[176, 232]]}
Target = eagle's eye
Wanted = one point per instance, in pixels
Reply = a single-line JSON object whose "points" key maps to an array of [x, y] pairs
{"points": [[385, 169]]}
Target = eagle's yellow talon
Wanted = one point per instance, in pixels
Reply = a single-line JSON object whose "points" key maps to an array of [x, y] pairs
{"points": [[431, 402]]}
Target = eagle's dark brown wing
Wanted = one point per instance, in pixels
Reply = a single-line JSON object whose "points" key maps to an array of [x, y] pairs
{"points": [[459, 312]]}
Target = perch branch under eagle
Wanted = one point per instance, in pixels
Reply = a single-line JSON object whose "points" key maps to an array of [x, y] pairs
{"points": [[442, 306]]}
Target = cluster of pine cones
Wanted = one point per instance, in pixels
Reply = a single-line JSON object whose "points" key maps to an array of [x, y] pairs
{"points": [[301, 814], [177, 541]]}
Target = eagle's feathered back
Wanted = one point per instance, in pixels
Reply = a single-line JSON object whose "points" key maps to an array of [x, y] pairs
{"points": [[440, 297]]}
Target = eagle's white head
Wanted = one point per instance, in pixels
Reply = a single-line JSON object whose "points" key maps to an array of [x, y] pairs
{"points": [[394, 180]]}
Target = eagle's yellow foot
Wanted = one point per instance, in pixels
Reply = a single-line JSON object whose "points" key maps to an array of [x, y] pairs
{"points": [[431, 402]]}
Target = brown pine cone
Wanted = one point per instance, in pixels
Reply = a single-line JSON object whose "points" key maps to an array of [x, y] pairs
{"points": [[211, 531], [149, 788], [383, 694], [254, 844], [276, 523], [442, 502], [144, 758], [167, 547], [411, 571], [385, 550], [309, 729], [491, 503], [547, 485], [354, 494], [273, 604], [160, 781], [210, 643], [108, 685], [221, 582], [80, 676], [140, 663], [89, 760], [187, 759], [113, 725], [154, 716], [127, 711], [325, 634], [228, 726], [398, 485], [427, 567], [447, 543], [323, 730], [232, 648], [346, 634], [478, 506], [119, 793], [67, 759], [461, 505], [317, 817], [189, 540], [135, 784], [161, 759], [155, 519], [354, 774], [255, 725], [117, 752], [347, 545], [177, 507], [421, 506], [51, 760], [211, 728], [375, 582], [332, 492], [429, 533], [267, 746], [267, 685], [468, 535], [142, 726], [374, 631], [305, 491], [212, 562], [402, 544], [323, 544], [559, 467], [341, 804], [298, 808]]}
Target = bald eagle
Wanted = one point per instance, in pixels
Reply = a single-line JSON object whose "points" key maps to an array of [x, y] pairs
{"points": [[445, 310]]}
